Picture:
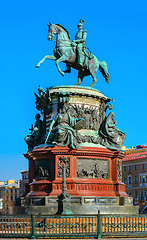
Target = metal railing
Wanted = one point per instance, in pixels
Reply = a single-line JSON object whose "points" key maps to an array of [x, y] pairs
{"points": [[124, 225], [15, 226], [95, 226]]}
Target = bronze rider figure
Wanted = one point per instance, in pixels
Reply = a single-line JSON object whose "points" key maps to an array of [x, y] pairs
{"points": [[80, 39]]}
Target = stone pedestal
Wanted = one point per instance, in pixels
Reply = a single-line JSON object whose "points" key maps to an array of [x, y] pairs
{"points": [[93, 167], [91, 172], [92, 180]]}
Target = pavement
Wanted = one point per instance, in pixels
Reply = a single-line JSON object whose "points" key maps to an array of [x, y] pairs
{"points": [[129, 238]]}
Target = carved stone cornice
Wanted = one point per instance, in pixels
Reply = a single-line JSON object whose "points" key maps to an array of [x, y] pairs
{"points": [[44, 152], [78, 91]]}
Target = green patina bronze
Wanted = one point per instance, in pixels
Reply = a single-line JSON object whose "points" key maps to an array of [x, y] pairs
{"points": [[73, 116], [64, 199], [112, 137], [63, 128], [73, 226], [75, 54], [79, 43], [37, 135]]}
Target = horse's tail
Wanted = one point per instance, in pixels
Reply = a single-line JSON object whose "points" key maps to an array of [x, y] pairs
{"points": [[104, 70]]}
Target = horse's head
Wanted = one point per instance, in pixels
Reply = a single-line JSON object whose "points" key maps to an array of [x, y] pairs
{"points": [[52, 31], [57, 29]]}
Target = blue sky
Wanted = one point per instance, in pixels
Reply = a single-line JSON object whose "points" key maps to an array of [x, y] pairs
{"points": [[116, 33]]}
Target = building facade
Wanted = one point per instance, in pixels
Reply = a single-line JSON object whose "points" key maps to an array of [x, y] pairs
{"points": [[9, 193], [24, 183], [134, 172], [1, 204]]}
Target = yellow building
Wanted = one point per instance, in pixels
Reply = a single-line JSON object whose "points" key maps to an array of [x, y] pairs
{"points": [[9, 193]]}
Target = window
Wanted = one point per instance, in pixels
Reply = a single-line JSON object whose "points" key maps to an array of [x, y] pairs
{"points": [[124, 180], [135, 179], [135, 194], [141, 195], [124, 168], [129, 193], [145, 195], [129, 180], [143, 179], [135, 167], [129, 168], [143, 166]]}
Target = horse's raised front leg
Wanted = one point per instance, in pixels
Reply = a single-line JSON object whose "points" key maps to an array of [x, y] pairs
{"points": [[51, 57], [61, 59]]}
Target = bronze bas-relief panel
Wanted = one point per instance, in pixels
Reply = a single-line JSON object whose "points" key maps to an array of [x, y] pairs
{"points": [[60, 166], [42, 169], [92, 168]]}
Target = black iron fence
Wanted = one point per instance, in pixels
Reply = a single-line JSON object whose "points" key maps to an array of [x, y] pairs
{"points": [[96, 226]]}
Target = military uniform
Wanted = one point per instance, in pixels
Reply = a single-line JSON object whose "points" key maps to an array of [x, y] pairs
{"points": [[80, 39]]}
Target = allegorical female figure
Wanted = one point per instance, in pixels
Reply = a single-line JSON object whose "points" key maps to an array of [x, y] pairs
{"points": [[113, 138], [63, 129]]}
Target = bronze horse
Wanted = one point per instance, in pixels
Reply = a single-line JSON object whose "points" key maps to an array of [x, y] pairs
{"points": [[64, 51]]}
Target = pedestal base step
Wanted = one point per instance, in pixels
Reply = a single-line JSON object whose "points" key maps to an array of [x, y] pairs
{"points": [[81, 205]]}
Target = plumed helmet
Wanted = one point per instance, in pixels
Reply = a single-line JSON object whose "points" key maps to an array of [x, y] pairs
{"points": [[81, 23]]}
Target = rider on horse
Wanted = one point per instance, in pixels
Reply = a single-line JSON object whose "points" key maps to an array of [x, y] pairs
{"points": [[79, 43], [75, 54], [80, 39]]}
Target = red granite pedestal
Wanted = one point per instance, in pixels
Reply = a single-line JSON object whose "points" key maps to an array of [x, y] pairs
{"points": [[90, 191], [78, 184]]}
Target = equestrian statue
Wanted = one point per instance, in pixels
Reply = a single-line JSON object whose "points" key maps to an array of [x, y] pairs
{"points": [[75, 54]]}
